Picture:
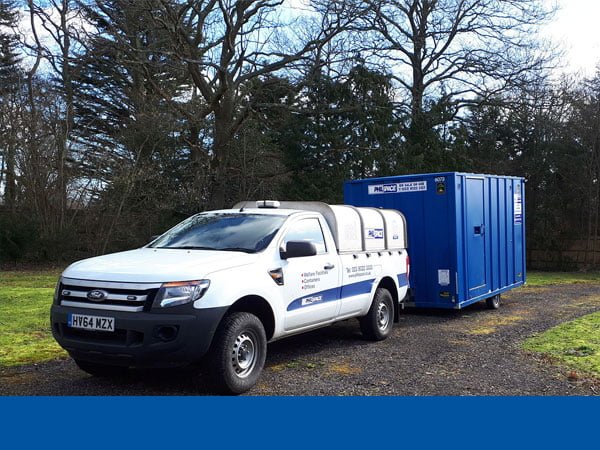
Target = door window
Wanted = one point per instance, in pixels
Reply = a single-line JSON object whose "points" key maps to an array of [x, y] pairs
{"points": [[307, 230]]}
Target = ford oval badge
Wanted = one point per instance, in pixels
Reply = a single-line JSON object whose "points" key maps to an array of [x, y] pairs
{"points": [[97, 295]]}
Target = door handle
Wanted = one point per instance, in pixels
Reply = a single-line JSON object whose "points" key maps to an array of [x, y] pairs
{"points": [[328, 266]]}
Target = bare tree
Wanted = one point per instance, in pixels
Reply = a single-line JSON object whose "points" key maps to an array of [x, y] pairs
{"points": [[225, 44], [10, 80], [584, 127], [456, 50], [57, 18]]}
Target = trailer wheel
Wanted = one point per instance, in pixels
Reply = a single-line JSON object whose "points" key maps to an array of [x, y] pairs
{"points": [[238, 353], [101, 370], [493, 302], [377, 324]]}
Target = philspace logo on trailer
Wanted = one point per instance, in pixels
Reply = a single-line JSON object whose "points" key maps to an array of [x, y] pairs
{"points": [[384, 189], [398, 188]]}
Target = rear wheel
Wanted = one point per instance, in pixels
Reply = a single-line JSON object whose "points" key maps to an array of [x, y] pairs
{"points": [[238, 353], [101, 370], [493, 302], [377, 324]]}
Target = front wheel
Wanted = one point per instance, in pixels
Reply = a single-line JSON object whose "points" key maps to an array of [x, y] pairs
{"points": [[377, 324], [238, 353]]}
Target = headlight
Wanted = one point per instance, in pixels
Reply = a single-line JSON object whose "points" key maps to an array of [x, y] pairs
{"points": [[180, 293]]}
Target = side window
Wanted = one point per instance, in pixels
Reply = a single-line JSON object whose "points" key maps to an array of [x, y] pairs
{"points": [[306, 230]]}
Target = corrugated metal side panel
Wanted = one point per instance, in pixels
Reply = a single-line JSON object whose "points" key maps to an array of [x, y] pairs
{"points": [[496, 213], [519, 230], [524, 234], [461, 240], [503, 253], [440, 236], [499, 223]]}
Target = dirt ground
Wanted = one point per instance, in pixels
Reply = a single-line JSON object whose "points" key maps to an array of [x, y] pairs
{"points": [[470, 352]]}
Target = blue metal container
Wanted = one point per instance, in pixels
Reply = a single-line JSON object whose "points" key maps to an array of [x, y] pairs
{"points": [[466, 232]]}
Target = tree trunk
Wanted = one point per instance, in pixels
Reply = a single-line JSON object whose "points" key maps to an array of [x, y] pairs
{"points": [[596, 155], [69, 114], [223, 130], [416, 103], [420, 16], [417, 125], [10, 191]]}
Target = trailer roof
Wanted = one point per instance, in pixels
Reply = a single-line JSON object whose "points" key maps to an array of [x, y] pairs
{"points": [[421, 175]]}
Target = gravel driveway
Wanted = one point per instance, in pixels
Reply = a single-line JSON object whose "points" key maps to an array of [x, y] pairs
{"points": [[470, 352]]}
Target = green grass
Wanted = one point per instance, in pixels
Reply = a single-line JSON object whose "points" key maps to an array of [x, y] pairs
{"points": [[25, 336], [29, 279], [535, 279], [575, 343], [26, 296]]}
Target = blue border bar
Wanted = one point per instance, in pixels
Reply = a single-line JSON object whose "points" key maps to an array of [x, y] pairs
{"points": [[299, 422]]}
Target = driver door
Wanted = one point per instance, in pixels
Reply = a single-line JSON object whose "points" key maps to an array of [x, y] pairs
{"points": [[312, 293]]}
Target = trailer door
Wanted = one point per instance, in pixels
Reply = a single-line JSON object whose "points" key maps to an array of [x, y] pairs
{"points": [[475, 237]]}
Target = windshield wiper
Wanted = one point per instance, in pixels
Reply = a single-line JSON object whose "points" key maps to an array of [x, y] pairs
{"points": [[191, 247], [197, 247], [237, 249]]}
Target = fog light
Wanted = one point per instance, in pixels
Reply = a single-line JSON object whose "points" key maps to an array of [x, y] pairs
{"points": [[167, 333]]}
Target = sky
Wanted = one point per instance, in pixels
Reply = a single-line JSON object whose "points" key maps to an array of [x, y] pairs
{"points": [[576, 29]]}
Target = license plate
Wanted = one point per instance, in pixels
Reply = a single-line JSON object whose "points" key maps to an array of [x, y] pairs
{"points": [[94, 323]]}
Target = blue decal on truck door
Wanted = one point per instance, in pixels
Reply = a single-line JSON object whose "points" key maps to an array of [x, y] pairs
{"points": [[315, 298], [347, 290], [359, 288]]}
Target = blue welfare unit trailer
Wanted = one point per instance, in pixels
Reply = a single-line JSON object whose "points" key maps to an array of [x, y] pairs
{"points": [[466, 233]]}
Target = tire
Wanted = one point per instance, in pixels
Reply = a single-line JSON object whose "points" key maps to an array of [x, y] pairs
{"points": [[101, 370], [238, 353], [377, 324], [493, 302]]}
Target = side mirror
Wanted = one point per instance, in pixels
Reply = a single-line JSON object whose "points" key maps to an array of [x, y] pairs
{"points": [[298, 249]]}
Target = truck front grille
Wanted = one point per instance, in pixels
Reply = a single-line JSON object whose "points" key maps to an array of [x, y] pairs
{"points": [[105, 295]]}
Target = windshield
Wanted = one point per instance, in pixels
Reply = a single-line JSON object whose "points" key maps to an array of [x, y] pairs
{"points": [[222, 231]]}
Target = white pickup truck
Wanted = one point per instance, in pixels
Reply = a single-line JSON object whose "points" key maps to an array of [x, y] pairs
{"points": [[221, 284]]}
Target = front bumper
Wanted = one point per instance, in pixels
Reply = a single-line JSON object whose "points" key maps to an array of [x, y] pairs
{"points": [[140, 339]]}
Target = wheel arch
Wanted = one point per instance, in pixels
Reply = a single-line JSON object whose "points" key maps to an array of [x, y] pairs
{"points": [[257, 305], [389, 284]]}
